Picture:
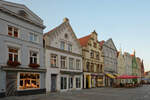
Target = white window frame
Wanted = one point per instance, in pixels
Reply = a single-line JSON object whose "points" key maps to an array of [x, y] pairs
{"points": [[13, 54], [13, 31], [78, 64], [71, 63], [62, 45], [70, 47], [63, 60], [52, 58], [33, 37], [37, 58], [64, 82], [79, 82]]}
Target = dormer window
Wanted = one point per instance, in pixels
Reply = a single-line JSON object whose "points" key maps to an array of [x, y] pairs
{"points": [[22, 13]]}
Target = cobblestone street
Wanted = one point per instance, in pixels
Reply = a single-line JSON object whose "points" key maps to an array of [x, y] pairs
{"points": [[141, 93]]}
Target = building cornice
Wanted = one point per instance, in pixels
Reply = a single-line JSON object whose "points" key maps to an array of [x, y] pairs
{"points": [[6, 68], [63, 51], [22, 18]]}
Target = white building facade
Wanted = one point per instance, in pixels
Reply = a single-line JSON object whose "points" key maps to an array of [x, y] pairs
{"points": [[63, 59], [22, 68], [110, 61]]}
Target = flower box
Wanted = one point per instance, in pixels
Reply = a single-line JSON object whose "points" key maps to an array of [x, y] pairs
{"points": [[13, 63], [34, 65]]}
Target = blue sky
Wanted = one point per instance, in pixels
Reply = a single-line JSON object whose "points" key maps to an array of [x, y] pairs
{"points": [[127, 22]]}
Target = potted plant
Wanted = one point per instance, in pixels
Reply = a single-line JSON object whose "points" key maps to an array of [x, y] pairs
{"points": [[13, 63], [34, 65]]}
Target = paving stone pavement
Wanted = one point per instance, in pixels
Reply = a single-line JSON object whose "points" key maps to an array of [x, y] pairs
{"points": [[140, 93]]}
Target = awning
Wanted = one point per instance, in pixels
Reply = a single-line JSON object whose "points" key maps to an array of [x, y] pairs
{"points": [[110, 75], [116, 74], [127, 77]]}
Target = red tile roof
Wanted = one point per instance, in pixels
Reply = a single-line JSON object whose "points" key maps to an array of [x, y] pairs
{"points": [[101, 43], [84, 40]]}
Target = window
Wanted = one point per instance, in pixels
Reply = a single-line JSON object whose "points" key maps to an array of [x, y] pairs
{"points": [[63, 83], [78, 82], [98, 68], [33, 57], [69, 47], [62, 45], [95, 45], [33, 37], [101, 68], [71, 62], [92, 67], [12, 31], [70, 82], [63, 62], [13, 54], [78, 64], [92, 54], [29, 80], [87, 66], [53, 60], [97, 55]]}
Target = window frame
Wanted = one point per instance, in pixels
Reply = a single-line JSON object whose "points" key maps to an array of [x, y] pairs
{"points": [[71, 62], [12, 31], [62, 47], [33, 57], [64, 61], [55, 60], [78, 64], [70, 47], [13, 54], [32, 37]]}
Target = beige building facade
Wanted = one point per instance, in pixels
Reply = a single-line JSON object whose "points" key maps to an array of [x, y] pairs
{"points": [[92, 61]]}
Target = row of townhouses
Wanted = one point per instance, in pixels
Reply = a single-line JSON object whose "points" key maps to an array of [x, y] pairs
{"points": [[32, 62]]}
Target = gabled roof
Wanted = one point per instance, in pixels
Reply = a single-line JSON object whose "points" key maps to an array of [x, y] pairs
{"points": [[16, 10], [65, 22], [84, 40]]}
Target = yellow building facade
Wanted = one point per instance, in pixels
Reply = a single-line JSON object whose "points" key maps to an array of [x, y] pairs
{"points": [[92, 61]]}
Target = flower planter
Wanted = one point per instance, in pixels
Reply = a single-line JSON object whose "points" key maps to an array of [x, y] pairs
{"points": [[34, 65], [13, 63]]}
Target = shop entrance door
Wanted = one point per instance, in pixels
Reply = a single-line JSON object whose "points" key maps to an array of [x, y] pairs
{"points": [[53, 82], [11, 83]]}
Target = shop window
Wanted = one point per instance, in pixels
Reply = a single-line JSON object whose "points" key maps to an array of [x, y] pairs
{"points": [[12, 31], [53, 60], [63, 83], [29, 80], [70, 82], [78, 82], [63, 62]]}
